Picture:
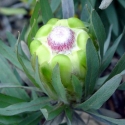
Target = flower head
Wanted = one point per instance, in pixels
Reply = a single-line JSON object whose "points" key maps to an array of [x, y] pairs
{"points": [[63, 42]]}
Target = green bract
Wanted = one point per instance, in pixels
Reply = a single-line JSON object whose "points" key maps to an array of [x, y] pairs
{"points": [[63, 42]]}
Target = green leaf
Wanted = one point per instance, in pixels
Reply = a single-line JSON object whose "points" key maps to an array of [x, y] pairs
{"points": [[85, 14], [51, 112], [28, 73], [55, 4], [77, 120], [29, 120], [69, 115], [12, 11], [55, 121], [92, 68], [25, 50], [108, 40], [24, 32], [77, 86], [35, 13], [67, 8], [11, 39], [93, 2], [45, 10], [107, 120], [45, 86], [99, 30], [109, 54], [37, 76], [109, 113], [113, 18], [10, 120], [102, 95], [120, 66], [11, 85], [32, 32], [100, 82], [122, 2], [22, 107], [6, 74], [6, 100], [8, 53], [122, 86], [57, 84]]}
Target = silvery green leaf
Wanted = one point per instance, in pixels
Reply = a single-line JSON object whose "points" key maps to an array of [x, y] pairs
{"points": [[25, 49], [109, 121], [31, 119], [67, 8], [107, 42], [45, 10], [109, 113], [77, 120], [57, 84], [103, 94], [55, 121], [105, 4], [21, 107]]}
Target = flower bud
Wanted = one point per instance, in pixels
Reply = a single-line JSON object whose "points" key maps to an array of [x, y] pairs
{"points": [[63, 42]]}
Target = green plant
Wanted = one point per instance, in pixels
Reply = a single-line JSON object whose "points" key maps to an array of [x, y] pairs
{"points": [[51, 99]]}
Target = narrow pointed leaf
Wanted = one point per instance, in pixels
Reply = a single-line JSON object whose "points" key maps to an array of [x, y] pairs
{"points": [[55, 121], [108, 40], [100, 82], [107, 120], [122, 86], [67, 8], [112, 17], [102, 95], [109, 54], [105, 4], [28, 73], [122, 2], [11, 39], [12, 11], [6, 74], [8, 53], [35, 13], [99, 30], [77, 86], [120, 66], [69, 115], [32, 31], [92, 67], [85, 14], [18, 108], [10, 85], [55, 4], [57, 84], [31, 118], [45, 11], [10, 120], [6, 100], [52, 112], [77, 120], [109, 113]]}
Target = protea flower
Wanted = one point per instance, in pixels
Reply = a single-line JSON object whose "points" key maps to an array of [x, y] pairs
{"points": [[61, 42]]}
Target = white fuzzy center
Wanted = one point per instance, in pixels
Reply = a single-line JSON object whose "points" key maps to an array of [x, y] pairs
{"points": [[61, 39]]}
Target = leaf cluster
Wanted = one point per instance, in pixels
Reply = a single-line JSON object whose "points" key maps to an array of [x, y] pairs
{"points": [[18, 107]]}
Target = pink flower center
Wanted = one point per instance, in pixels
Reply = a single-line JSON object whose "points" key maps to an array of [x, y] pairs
{"points": [[61, 39]]}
